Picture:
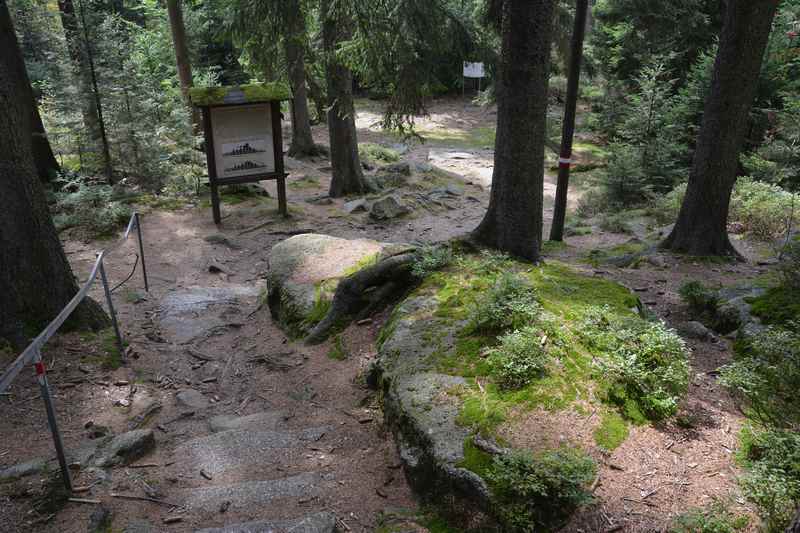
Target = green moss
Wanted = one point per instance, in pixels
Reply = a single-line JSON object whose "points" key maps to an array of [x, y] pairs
{"points": [[475, 459], [364, 262], [306, 182], [778, 306], [323, 298], [565, 295], [106, 353], [377, 153], [253, 93], [601, 256], [612, 431], [338, 352]]}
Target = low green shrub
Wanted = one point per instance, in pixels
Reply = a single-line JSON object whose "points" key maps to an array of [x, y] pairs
{"points": [[377, 153], [431, 258], [510, 304], [644, 363], [592, 203], [790, 265], [716, 519], [762, 209], [614, 223], [518, 359], [772, 480], [700, 299], [540, 491], [96, 208], [766, 374]]}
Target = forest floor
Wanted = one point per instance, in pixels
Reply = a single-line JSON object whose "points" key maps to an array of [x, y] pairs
{"points": [[201, 328]]}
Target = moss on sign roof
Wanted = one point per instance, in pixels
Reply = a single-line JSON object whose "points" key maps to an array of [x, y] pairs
{"points": [[240, 94]]}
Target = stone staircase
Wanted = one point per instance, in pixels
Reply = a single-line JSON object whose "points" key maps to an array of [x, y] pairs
{"points": [[234, 469]]}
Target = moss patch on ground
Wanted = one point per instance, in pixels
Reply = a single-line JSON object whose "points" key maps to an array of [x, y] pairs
{"points": [[572, 379], [779, 306]]}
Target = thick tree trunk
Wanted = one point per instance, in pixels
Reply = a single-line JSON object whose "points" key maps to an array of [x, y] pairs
{"points": [[178, 29], [513, 222], [80, 64], [46, 165], [295, 49], [701, 228], [348, 177], [35, 278], [568, 127], [795, 525]]}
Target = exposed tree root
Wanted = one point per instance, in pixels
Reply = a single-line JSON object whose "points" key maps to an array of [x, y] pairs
{"points": [[366, 292]]}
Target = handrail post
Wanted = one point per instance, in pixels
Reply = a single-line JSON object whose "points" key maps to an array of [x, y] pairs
{"points": [[141, 251], [113, 313], [41, 377]]}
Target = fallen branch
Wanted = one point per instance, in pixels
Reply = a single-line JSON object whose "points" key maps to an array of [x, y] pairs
{"points": [[141, 498]]}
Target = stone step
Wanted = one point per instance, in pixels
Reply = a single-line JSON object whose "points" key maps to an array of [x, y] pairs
{"points": [[252, 493], [316, 523], [258, 421], [242, 448]]}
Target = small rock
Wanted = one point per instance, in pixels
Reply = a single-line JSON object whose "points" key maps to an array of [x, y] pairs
{"points": [[192, 398], [97, 431], [387, 208], [127, 447], [656, 261], [695, 330], [100, 520], [355, 205], [23, 469], [215, 269]]}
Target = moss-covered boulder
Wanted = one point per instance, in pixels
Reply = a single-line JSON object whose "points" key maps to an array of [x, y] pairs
{"points": [[305, 270], [488, 344]]}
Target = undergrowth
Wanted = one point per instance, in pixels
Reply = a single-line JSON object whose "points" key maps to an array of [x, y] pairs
{"points": [[717, 518]]}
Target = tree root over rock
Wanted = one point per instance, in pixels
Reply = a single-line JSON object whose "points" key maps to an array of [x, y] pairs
{"points": [[365, 292]]}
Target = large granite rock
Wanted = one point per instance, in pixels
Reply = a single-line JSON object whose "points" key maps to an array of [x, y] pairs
{"points": [[422, 415], [304, 271]]}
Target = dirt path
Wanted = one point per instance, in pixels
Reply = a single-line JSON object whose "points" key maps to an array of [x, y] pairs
{"points": [[311, 441]]}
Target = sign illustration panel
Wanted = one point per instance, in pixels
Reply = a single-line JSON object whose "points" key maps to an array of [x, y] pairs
{"points": [[243, 140]]}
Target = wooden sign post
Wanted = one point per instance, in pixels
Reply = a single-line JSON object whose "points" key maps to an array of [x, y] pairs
{"points": [[243, 136]]}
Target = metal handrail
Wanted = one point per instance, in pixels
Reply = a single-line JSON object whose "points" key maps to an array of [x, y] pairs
{"points": [[32, 354]]}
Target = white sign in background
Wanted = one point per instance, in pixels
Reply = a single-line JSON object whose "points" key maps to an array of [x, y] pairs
{"points": [[474, 70]]}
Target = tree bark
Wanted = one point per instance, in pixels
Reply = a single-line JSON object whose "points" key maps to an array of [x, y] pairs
{"points": [[513, 221], [795, 525], [101, 124], [46, 165], [295, 49], [77, 54], [568, 127], [701, 228], [182, 61], [35, 278], [348, 177]]}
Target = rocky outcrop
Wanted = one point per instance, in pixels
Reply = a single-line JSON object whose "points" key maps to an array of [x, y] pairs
{"points": [[305, 270], [421, 413]]}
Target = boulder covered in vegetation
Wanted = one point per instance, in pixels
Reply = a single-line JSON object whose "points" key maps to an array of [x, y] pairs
{"points": [[487, 342], [305, 270]]}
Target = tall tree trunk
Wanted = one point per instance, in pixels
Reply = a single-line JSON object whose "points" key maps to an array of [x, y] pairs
{"points": [[35, 278], [348, 177], [77, 54], [513, 222], [295, 49], [101, 124], [181, 55], [794, 527], [568, 127], [43, 158], [701, 228]]}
